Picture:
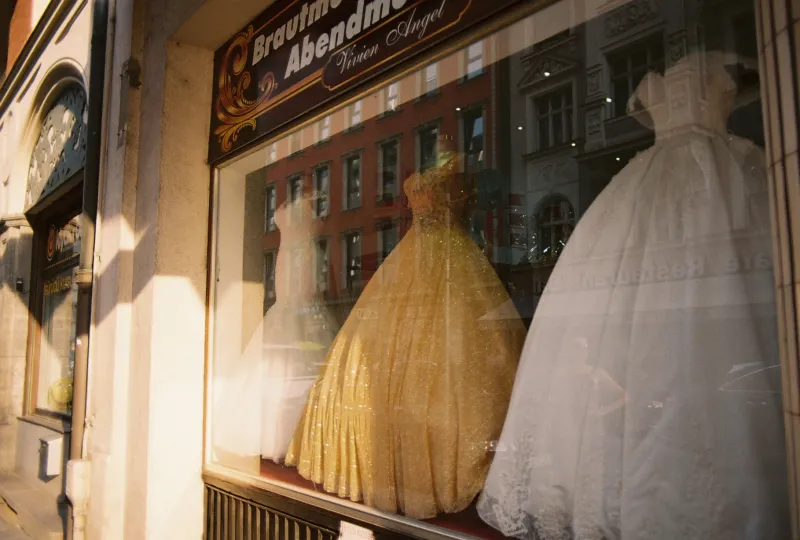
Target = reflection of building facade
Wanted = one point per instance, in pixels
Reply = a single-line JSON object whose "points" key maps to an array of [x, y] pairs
{"points": [[579, 131], [356, 159]]}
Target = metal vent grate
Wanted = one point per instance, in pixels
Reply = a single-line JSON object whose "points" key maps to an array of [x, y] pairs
{"points": [[229, 517]]}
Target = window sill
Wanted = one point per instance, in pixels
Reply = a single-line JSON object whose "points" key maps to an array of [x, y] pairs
{"points": [[352, 208], [551, 151], [428, 96], [59, 425], [388, 114], [387, 199], [295, 155], [354, 129], [468, 79], [323, 142]]}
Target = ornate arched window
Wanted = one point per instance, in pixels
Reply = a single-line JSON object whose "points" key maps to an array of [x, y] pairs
{"points": [[53, 205], [60, 149]]}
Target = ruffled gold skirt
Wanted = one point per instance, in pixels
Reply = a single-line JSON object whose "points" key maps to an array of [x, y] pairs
{"points": [[417, 382]]}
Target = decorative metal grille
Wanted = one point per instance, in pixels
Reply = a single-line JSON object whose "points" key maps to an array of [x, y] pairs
{"points": [[229, 517], [60, 150]]}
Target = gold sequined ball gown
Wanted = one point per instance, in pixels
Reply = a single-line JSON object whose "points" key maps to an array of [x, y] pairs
{"points": [[417, 382]]}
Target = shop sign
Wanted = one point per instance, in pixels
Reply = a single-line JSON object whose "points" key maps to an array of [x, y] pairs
{"points": [[58, 285], [63, 242], [300, 54]]}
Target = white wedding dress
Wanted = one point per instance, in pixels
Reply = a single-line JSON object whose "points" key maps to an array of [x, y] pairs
{"points": [[647, 404], [260, 396]]}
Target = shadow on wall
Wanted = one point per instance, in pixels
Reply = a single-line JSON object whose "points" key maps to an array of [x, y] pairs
{"points": [[15, 261]]}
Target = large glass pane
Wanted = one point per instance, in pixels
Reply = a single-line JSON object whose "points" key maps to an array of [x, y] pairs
{"points": [[562, 322], [56, 355]]}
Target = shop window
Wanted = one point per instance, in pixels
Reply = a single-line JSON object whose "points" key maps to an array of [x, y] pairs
{"points": [[474, 60], [270, 206], [392, 97], [430, 79], [629, 67], [56, 353], [473, 122], [352, 182], [388, 170], [324, 129], [322, 178], [554, 118], [527, 328], [427, 147]]}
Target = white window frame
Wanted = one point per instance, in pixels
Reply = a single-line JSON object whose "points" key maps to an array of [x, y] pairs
{"points": [[273, 152]]}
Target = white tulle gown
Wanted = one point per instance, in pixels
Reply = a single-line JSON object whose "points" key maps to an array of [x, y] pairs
{"points": [[647, 404], [259, 397]]}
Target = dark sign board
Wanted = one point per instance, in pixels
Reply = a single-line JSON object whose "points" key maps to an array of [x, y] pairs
{"points": [[299, 54]]}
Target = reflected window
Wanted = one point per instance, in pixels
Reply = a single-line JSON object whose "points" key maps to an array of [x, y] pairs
{"points": [[427, 148], [388, 170], [554, 118], [270, 206], [352, 257], [387, 239], [430, 79], [295, 188], [629, 67], [392, 96], [324, 128], [295, 142], [322, 189], [322, 264], [352, 182], [354, 113], [269, 278], [474, 60], [553, 224], [473, 122]]}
